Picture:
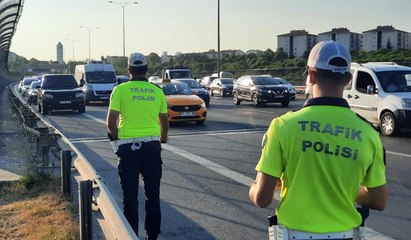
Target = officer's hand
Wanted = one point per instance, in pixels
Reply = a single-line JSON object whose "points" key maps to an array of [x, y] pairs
{"points": [[164, 140]]}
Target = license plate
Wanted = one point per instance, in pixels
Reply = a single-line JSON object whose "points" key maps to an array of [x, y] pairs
{"points": [[104, 98], [65, 102], [187, 114], [276, 96]]}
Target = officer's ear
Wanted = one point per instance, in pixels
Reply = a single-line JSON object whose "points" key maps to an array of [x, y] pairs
{"points": [[311, 73]]}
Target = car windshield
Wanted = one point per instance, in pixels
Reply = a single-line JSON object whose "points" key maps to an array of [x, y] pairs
{"points": [[395, 81], [227, 81], [33, 85], [180, 74], [176, 88], [193, 84], [59, 82], [281, 81], [28, 81], [100, 77], [264, 81]]}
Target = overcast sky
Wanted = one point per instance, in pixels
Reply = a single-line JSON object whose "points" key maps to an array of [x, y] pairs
{"points": [[189, 25]]}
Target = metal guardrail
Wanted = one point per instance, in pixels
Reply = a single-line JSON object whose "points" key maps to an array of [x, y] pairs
{"points": [[113, 224]]}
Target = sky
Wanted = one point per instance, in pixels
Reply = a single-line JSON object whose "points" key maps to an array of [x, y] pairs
{"points": [[188, 25]]}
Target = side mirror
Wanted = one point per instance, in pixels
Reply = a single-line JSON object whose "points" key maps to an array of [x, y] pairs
{"points": [[219, 84], [82, 82], [370, 89]]}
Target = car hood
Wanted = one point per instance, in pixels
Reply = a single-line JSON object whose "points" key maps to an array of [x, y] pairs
{"points": [[184, 100]]}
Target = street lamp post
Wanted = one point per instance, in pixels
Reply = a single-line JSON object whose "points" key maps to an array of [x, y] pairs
{"points": [[89, 41], [218, 39], [73, 41], [123, 5]]}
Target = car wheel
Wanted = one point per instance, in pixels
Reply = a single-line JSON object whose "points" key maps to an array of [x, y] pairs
{"points": [[222, 93], [388, 124], [254, 100], [285, 103], [235, 99], [82, 109], [200, 122]]}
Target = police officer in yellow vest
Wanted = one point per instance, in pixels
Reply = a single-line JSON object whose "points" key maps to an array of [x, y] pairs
{"points": [[328, 158], [137, 120]]}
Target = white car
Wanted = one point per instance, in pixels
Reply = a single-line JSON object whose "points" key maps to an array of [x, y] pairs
{"points": [[370, 95], [26, 85], [290, 87]]}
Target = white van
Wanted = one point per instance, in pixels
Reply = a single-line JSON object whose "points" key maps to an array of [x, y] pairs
{"points": [[97, 81], [381, 93]]}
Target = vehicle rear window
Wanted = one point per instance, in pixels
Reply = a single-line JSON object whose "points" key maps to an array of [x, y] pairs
{"points": [[59, 82], [227, 81]]}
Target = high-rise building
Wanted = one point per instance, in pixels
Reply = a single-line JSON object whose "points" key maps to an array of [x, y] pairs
{"points": [[385, 37], [350, 40], [60, 53], [296, 43]]}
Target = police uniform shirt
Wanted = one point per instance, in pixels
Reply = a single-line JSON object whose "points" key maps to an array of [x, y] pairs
{"points": [[139, 104], [322, 153]]}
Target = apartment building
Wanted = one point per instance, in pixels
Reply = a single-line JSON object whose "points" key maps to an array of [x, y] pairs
{"points": [[297, 43], [385, 37], [344, 36]]}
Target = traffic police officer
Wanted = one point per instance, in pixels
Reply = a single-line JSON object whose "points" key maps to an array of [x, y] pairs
{"points": [[328, 158], [137, 119]]}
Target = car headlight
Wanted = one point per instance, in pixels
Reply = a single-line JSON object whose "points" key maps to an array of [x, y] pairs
{"points": [[264, 90], [48, 96], [80, 94], [406, 102]]}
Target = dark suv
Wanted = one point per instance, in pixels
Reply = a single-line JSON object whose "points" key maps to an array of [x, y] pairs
{"points": [[60, 91], [260, 89]]}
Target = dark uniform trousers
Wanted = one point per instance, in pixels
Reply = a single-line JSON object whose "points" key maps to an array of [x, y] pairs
{"points": [[145, 161]]}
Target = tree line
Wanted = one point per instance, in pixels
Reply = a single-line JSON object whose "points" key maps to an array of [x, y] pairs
{"points": [[275, 63]]}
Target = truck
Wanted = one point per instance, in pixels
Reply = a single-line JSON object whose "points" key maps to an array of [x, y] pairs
{"points": [[178, 72], [380, 92], [96, 80]]}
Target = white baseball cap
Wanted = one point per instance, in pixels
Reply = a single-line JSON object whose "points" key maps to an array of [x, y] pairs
{"points": [[137, 60], [324, 54]]}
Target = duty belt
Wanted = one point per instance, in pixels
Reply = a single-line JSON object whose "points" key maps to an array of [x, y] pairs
{"points": [[138, 140]]}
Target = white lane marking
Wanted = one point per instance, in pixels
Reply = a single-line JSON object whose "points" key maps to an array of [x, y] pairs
{"points": [[399, 154], [238, 177], [95, 118]]}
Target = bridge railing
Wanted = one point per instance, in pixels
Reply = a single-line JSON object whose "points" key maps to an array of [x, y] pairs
{"points": [[94, 195]]}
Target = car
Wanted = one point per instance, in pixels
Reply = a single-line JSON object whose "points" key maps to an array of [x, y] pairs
{"points": [[370, 94], [32, 93], [182, 104], [26, 85], [206, 81], [58, 92], [260, 89], [291, 88], [122, 79], [197, 89], [222, 86]]}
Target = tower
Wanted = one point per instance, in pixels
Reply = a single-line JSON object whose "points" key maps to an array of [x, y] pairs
{"points": [[59, 52]]}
